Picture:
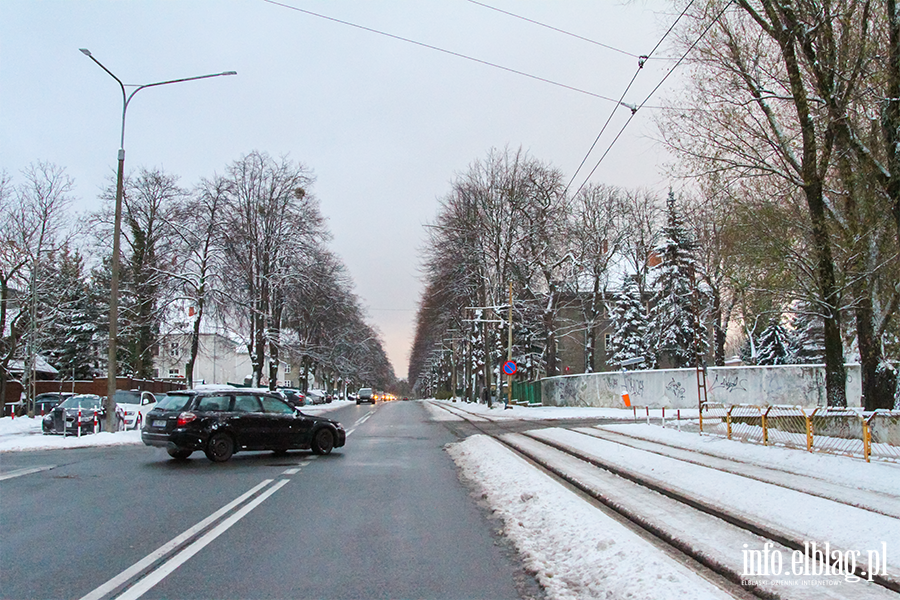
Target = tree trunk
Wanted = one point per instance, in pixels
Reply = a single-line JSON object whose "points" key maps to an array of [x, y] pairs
{"points": [[891, 113]]}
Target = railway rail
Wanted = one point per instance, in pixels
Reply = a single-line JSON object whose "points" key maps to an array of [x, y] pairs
{"points": [[704, 536]]}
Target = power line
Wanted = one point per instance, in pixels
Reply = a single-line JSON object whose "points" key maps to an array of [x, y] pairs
{"points": [[557, 29], [641, 61], [662, 81], [442, 50]]}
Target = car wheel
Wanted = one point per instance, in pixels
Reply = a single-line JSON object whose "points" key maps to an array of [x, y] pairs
{"points": [[179, 453], [120, 426], [322, 442], [220, 447]]}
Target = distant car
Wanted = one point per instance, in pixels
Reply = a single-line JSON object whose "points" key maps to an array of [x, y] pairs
{"points": [[136, 405], [316, 396], [64, 418], [365, 395], [221, 423], [293, 397]]}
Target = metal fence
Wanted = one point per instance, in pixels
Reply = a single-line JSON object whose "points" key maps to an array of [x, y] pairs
{"points": [[526, 393], [846, 431]]}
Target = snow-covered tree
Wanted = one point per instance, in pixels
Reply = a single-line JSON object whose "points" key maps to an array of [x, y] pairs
{"points": [[772, 347], [629, 329], [807, 345], [72, 318], [674, 319]]}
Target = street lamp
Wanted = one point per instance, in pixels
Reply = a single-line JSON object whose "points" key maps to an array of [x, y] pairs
{"points": [[110, 405]]}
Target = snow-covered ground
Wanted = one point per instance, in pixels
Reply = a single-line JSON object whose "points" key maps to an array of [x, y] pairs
{"points": [[576, 551], [23, 433], [540, 413]]}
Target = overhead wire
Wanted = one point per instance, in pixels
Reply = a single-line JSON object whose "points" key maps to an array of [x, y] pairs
{"points": [[556, 29], [658, 85], [439, 49], [641, 61]]}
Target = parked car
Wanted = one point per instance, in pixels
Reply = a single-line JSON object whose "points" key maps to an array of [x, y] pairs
{"points": [[316, 396], [365, 395], [136, 405], [43, 403], [64, 418], [295, 398], [220, 423]]}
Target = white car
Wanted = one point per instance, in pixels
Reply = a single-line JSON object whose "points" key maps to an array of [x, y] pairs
{"points": [[136, 405]]}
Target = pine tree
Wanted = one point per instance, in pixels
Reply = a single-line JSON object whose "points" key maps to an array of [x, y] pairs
{"points": [[629, 329], [772, 347], [675, 316], [807, 344], [73, 318]]}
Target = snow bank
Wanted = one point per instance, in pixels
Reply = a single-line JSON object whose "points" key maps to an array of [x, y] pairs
{"points": [[575, 550]]}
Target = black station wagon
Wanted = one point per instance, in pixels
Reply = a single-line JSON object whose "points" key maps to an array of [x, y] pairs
{"points": [[222, 422]]}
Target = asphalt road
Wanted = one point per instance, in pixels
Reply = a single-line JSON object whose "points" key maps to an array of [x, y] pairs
{"points": [[383, 517]]}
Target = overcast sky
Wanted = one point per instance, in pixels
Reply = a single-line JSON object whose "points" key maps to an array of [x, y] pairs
{"points": [[384, 124]]}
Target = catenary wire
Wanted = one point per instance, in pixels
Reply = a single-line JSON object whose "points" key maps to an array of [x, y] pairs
{"points": [[641, 61], [634, 110], [442, 50], [558, 30]]}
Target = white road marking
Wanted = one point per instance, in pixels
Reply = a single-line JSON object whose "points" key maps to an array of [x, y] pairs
{"points": [[291, 472], [303, 464], [145, 584], [169, 547], [25, 471]]}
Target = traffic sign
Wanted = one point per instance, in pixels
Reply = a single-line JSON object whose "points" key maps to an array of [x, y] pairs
{"points": [[509, 367]]}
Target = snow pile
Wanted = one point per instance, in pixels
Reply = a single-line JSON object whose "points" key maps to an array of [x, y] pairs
{"points": [[23, 433], [877, 476], [574, 549]]}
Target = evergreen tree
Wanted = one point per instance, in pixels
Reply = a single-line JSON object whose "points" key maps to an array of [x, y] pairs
{"points": [[675, 315], [772, 347], [71, 330], [807, 344], [629, 329]]}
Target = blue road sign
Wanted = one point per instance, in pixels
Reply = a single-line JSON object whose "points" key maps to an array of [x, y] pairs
{"points": [[509, 367]]}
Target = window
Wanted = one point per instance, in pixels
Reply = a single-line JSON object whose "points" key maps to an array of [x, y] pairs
{"points": [[214, 403], [606, 338], [173, 349], [248, 404], [287, 369], [288, 383], [174, 373], [274, 405]]}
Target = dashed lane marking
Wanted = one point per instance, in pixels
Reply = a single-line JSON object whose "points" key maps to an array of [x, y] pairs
{"points": [[25, 471]]}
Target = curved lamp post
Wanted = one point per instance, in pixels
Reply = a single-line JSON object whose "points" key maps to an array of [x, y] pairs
{"points": [[109, 404]]}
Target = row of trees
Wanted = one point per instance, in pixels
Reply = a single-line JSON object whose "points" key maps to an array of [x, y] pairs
{"points": [[243, 253], [666, 281], [788, 130]]}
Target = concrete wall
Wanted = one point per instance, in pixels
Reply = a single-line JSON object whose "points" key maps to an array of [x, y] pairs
{"points": [[802, 385]]}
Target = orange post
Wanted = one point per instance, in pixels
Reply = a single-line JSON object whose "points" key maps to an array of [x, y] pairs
{"points": [[626, 399]]}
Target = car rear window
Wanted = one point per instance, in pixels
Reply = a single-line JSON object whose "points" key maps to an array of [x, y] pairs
{"points": [[173, 402], [214, 403]]}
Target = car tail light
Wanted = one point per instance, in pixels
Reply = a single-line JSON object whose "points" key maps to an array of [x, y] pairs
{"points": [[185, 418]]}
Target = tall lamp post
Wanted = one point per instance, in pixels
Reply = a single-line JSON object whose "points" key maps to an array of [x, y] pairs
{"points": [[110, 404]]}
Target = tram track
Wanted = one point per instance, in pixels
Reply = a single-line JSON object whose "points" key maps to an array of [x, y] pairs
{"points": [[705, 537]]}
